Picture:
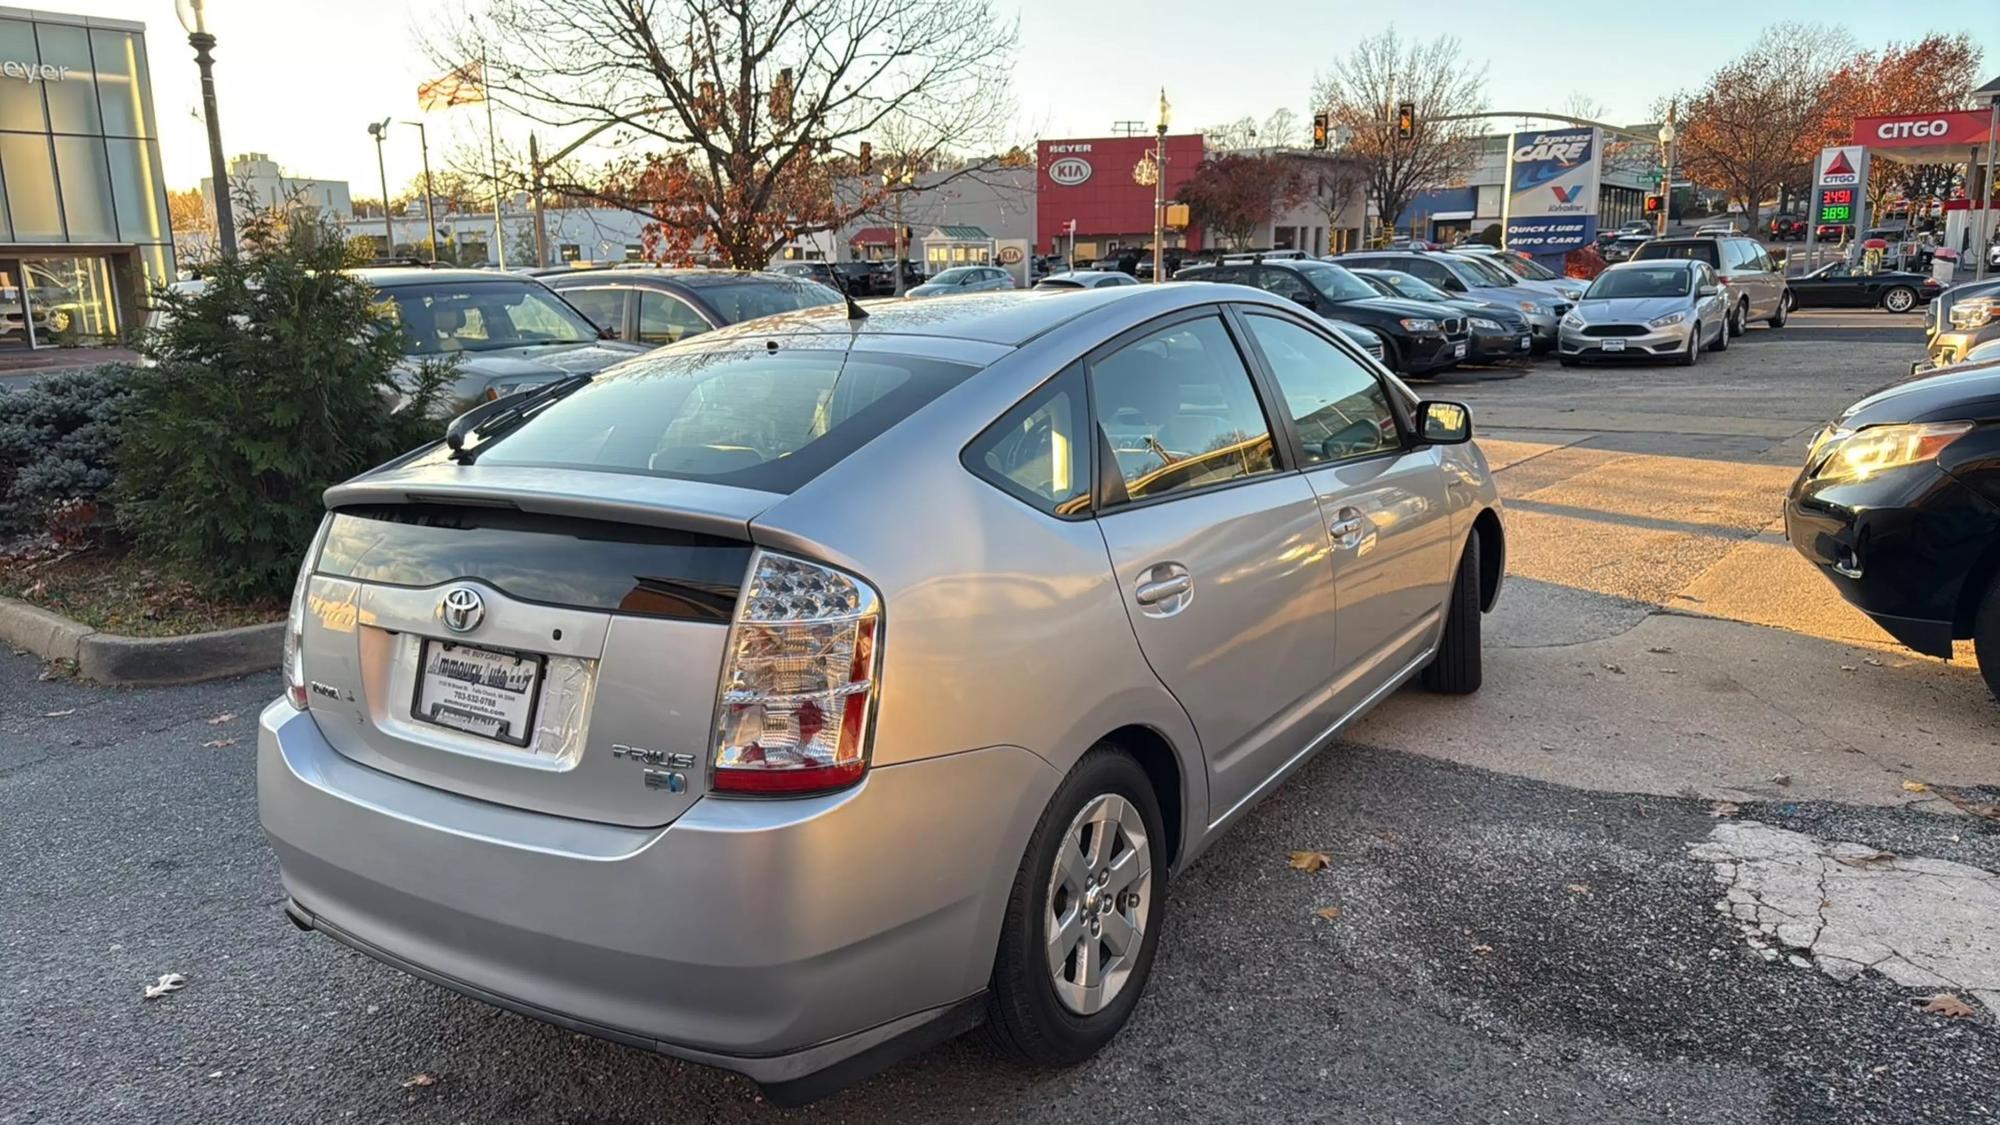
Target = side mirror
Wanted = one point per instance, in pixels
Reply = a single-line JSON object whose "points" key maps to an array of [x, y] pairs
{"points": [[1444, 423], [1707, 291]]}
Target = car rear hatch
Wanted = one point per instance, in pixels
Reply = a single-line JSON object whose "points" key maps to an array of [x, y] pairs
{"points": [[520, 643]]}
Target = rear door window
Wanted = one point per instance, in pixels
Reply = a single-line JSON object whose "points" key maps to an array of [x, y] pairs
{"points": [[1179, 412], [1037, 451], [604, 306], [752, 418], [1283, 283], [666, 319]]}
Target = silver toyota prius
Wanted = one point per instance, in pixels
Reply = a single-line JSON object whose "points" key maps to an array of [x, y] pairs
{"points": [[799, 695]]}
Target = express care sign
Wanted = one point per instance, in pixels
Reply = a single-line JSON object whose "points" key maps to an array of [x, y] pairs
{"points": [[1922, 130]]}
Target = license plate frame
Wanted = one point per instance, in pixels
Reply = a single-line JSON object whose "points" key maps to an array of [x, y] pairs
{"points": [[474, 701], [1613, 345], [1458, 350]]}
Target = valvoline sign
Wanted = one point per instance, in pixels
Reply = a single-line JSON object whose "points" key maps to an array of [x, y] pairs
{"points": [[1552, 190]]}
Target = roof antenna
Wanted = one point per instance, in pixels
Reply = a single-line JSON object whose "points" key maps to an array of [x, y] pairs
{"points": [[854, 311]]}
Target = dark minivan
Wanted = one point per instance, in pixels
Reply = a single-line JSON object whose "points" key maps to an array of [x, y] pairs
{"points": [[1899, 506]]}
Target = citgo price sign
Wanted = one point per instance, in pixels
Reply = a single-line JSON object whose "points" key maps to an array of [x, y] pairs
{"points": [[1836, 205]]}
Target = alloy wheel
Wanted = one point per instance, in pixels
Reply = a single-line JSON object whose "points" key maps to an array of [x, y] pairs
{"points": [[1099, 901], [1899, 300]]}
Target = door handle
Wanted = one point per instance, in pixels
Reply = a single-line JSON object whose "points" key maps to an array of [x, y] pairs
{"points": [[1348, 527], [1341, 529], [1153, 593]]}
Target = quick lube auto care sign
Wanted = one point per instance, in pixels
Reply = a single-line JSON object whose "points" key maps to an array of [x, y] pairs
{"points": [[1552, 190]]}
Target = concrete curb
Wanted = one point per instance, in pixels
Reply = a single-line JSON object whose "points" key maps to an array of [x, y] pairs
{"points": [[112, 658]]}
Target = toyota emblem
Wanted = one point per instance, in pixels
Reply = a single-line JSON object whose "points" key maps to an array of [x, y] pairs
{"points": [[462, 609]]}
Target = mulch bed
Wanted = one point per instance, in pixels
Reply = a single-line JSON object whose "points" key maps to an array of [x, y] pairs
{"points": [[108, 588]]}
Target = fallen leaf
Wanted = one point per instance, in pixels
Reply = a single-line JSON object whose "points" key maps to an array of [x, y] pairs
{"points": [[422, 1078], [1847, 667], [1670, 671], [58, 714], [1950, 1006], [218, 720], [1311, 861], [1482, 950], [1781, 779], [1328, 912], [1661, 650], [1578, 888], [1865, 858], [1615, 669], [215, 1074], [218, 743], [168, 982], [1722, 809], [1915, 787], [1872, 662]]}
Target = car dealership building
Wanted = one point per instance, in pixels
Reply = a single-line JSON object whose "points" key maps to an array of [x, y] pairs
{"points": [[83, 202]]}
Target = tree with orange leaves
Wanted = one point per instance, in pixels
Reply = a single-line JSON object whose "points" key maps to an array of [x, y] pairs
{"points": [[1936, 72]]}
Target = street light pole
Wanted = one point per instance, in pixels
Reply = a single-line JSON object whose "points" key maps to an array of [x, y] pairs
{"points": [[194, 18], [380, 130], [1667, 172], [1986, 200], [430, 220], [1160, 191]]}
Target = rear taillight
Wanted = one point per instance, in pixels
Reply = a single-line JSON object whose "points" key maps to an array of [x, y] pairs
{"points": [[798, 683], [295, 628], [1723, 278]]}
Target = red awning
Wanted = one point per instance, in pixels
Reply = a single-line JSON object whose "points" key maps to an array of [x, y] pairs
{"points": [[873, 236]]}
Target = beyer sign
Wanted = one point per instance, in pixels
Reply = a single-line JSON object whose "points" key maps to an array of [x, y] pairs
{"points": [[33, 72]]}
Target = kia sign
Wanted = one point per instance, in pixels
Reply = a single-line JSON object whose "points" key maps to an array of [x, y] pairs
{"points": [[1069, 171], [1552, 190]]}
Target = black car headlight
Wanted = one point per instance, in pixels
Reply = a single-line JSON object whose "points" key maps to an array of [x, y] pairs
{"points": [[1860, 454]]}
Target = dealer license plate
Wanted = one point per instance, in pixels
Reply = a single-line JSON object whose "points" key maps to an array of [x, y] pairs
{"points": [[478, 691], [1458, 350], [1614, 345], [1527, 342]]}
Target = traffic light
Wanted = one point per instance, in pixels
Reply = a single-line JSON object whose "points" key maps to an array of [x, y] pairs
{"points": [[1406, 121], [867, 158], [1652, 204], [1319, 132]]}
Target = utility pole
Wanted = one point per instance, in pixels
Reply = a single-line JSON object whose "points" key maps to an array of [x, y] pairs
{"points": [[1667, 173], [535, 197], [430, 220], [1985, 247]]}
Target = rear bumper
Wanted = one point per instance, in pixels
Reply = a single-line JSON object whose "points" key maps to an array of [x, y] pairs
{"points": [[803, 943]]}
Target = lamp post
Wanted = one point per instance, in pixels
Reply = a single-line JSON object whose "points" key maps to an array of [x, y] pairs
{"points": [[1160, 190], [380, 130], [1667, 172], [430, 220], [194, 18]]}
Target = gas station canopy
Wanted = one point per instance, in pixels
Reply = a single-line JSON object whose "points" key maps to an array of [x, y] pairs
{"points": [[1954, 136]]}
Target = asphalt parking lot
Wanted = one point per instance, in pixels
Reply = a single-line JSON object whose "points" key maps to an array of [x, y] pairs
{"points": [[1546, 899]]}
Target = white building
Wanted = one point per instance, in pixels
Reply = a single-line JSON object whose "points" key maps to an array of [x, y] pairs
{"points": [[575, 234], [257, 178]]}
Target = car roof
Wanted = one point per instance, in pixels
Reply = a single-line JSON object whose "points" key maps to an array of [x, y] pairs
{"points": [[389, 277], [1657, 264]]}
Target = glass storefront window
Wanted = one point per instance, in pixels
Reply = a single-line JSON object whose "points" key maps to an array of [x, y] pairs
{"points": [[86, 189], [122, 83], [158, 262], [30, 171], [71, 296], [72, 101], [20, 102], [135, 191]]}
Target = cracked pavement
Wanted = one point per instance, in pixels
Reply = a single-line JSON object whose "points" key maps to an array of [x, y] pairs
{"points": [[1919, 921]]}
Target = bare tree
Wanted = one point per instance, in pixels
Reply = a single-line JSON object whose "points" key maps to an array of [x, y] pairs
{"points": [[1280, 129], [728, 114], [1752, 126], [1360, 94], [1580, 104]]}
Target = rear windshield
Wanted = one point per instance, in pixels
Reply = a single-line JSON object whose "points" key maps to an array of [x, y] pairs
{"points": [[769, 420], [1693, 249], [483, 316], [555, 560], [748, 300]]}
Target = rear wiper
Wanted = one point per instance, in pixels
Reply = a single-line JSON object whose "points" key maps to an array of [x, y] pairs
{"points": [[489, 420]]}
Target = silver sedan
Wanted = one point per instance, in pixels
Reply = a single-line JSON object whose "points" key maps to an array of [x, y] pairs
{"points": [[806, 692], [1668, 308]]}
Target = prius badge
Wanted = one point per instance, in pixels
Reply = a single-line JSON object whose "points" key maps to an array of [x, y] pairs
{"points": [[462, 609]]}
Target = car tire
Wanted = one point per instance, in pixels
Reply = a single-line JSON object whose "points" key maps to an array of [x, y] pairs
{"points": [[1784, 310], [1986, 637], [1692, 354], [1455, 670], [1025, 1016], [1900, 299], [1739, 319], [1721, 341]]}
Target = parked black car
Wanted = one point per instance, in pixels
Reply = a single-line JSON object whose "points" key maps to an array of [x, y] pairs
{"points": [[1496, 331], [1899, 506], [1418, 337], [1841, 285], [656, 306]]}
